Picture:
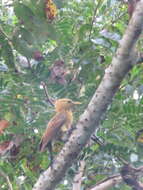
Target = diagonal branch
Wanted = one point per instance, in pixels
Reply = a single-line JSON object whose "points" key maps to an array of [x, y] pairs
{"points": [[122, 62], [130, 176], [108, 183], [49, 99], [7, 179]]}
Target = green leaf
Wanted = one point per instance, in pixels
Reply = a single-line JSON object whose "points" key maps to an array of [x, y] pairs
{"points": [[6, 50]]}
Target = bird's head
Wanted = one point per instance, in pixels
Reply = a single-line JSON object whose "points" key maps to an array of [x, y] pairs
{"points": [[64, 104]]}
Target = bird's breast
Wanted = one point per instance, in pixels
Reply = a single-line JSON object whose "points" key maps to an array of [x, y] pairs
{"points": [[68, 123], [69, 119]]}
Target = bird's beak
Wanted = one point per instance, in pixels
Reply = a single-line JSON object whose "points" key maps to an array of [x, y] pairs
{"points": [[76, 103]]}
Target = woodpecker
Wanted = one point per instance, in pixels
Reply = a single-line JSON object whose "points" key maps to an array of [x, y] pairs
{"points": [[62, 120]]}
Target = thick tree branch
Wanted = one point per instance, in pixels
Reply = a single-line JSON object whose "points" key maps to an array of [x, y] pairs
{"points": [[122, 62], [130, 176], [108, 183]]}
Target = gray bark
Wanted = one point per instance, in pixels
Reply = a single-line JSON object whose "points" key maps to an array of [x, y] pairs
{"points": [[78, 177], [122, 62], [108, 183]]}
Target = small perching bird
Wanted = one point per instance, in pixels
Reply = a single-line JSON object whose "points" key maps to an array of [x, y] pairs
{"points": [[62, 119]]}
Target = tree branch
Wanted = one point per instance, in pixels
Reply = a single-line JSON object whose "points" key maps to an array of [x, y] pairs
{"points": [[130, 176], [49, 99], [7, 179], [94, 16], [108, 183], [78, 177], [122, 63]]}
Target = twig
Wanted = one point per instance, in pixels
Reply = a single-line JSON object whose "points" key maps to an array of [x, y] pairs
{"points": [[49, 99], [122, 160], [7, 179], [8, 38], [93, 18]]}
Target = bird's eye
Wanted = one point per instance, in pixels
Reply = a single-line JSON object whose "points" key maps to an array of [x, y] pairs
{"points": [[69, 101]]}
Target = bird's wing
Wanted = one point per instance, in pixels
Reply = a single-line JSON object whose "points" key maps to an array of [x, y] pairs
{"points": [[53, 128]]}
